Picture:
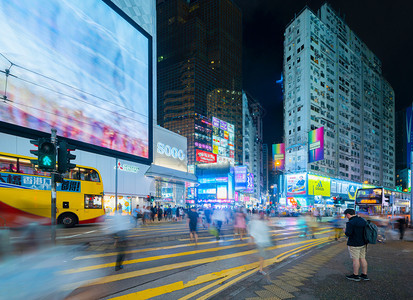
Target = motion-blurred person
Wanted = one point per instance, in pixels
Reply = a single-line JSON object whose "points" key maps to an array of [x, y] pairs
{"points": [[356, 244], [219, 218], [159, 213], [153, 213], [120, 227], [402, 226], [174, 213], [193, 218], [146, 215], [240, 223], [338, 227], [137, 214], [312, 225], [260, 234]]}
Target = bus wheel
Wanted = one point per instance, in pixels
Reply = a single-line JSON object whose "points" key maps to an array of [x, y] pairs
{"points": [[68, 220]]}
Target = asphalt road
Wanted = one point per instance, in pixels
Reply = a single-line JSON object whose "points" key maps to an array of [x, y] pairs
{"points": [[161, 263]]}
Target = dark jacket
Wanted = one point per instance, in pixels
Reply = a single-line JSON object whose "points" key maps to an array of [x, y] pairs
{"points": [[355, 231]]}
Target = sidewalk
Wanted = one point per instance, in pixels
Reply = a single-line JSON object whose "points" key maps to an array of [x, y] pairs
{"points": [[320, 274]]}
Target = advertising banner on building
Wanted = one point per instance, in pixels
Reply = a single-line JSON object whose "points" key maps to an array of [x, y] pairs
{"points": [[223, 137], [250, 183], [296, 184], [278, 155], [318, 186], [92, 84], [316, 145], [241, 181], [345, 189], [205, 157], [409, 134]]}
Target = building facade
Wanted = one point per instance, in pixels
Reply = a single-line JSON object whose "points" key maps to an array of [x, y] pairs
{"points": [[332, 80], [199, 62], [252, 134]]}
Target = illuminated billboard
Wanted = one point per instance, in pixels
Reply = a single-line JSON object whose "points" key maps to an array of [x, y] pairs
{"points": [[205, 157], [296, 184], [82, 67], [318, 185], [241, 179], [223, 141], [316, 145], [345, 189], [278, 155]]}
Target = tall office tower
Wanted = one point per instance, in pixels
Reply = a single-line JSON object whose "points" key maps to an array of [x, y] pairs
{"points": [[252, 113], [333, 80], [199, 53]]}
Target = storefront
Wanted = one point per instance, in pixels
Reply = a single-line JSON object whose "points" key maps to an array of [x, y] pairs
{"points": [[169, 169]]}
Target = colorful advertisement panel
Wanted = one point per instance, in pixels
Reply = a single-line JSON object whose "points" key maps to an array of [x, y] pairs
{"points": [[80, 67], [318, 186], [278, 156], [223, 137], [345, 189], [250, 183], [409, 134], [316, 145], [296, 184], [205, 157], [241, 179]]}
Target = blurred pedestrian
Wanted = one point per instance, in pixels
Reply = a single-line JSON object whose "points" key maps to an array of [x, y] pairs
{"points": [[240, 223], [137, 214], [219, 218], [357, 245], [402, 226], [153, 213], [193, 218], [338, 229], [160, 212], [260, 234]]}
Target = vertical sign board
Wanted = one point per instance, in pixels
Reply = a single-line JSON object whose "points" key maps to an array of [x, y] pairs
{"points": [[278, 155], [241, 178], [409, 133], [316, 145]]}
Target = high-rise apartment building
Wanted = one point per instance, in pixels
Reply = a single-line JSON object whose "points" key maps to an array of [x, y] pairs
{"points": [[252, 135], [332, 80], [199, 65]]}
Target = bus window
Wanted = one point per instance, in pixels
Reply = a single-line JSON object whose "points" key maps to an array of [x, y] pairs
{"points": [[90, 175], [93, 201], [25, 167], [74, 174], [8, 164]]}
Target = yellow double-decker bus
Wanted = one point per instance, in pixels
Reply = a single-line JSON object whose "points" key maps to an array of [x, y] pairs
{"points": [[25, 194]]}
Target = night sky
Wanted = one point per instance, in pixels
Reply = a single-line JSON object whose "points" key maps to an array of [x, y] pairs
{"points": [[386, 27]]}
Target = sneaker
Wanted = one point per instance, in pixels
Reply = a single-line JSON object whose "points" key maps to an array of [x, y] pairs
{"points": [[364, 277], [353, 277]]}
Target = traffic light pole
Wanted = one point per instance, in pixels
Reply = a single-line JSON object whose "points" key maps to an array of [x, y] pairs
{"points": [[53, 206]]}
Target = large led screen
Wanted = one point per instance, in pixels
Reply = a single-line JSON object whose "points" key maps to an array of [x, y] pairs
{"points": [[79, 67]]}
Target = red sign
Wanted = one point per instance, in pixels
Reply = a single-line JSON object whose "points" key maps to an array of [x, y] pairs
{"points": [[206, 157]]}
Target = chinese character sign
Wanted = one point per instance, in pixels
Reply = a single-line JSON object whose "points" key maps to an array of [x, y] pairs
{"points": [[316, 145], [278, 155]]}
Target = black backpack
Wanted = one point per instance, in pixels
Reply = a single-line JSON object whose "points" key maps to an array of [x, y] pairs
{"points": [[370, 233]]}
